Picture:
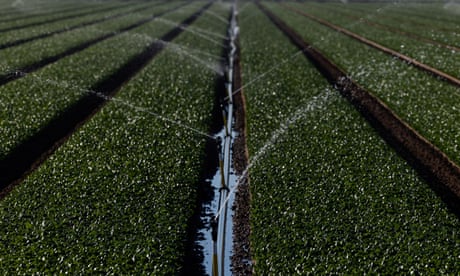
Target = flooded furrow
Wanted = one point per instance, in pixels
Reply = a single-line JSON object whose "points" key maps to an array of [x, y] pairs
{"points": [[213, 243], [225, 179]]}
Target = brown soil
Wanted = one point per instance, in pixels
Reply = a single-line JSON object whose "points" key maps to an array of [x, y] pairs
{"points": [[432, 164], [241, 259]]}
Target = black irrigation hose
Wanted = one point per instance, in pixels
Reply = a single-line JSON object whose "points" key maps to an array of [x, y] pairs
{"points": [[72, 28], [35, 24], [27, 156], [21, 72]]}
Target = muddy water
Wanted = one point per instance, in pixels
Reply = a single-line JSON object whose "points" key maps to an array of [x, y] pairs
{"points": [[224, 243]]}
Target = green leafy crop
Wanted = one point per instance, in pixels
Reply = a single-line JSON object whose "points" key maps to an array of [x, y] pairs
{"points": [[118, 196], [328, 195]]}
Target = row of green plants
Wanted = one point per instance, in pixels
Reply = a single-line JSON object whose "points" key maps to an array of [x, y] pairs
{"points": [[118, 196], [436, 30], [32, 31], [32, 101], [439, 57], [31, 22], [17, 10], [55, 14], [425, 102], [328, 195], [442, 14], [11, 11], [21, 56]]}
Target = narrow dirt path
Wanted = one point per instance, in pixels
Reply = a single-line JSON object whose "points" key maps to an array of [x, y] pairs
{"points": [[26, 157], [431, 163], [241, 264], [442, 75]]}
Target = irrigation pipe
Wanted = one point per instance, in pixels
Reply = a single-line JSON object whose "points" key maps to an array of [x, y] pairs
{"points": [[219, 222]]}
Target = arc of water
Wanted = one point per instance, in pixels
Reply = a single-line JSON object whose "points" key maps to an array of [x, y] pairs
{"points": [[210, 36], [65, 84], [316, 103]]}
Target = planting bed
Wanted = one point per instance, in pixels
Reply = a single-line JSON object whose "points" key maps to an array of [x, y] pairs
{"points": [[422, 100], [442, 58], [59, 86], [109, 112], [91, 20], [335, 201], [55, 17], [57, 47], [387, 15], [122, 204]]}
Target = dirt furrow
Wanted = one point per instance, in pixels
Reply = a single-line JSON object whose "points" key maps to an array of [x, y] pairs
{"points": [[241, 246], [432, 164], [29, 155], [194, 253], [409, 60]]}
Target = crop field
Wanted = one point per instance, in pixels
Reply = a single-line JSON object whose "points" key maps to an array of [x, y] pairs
{"points": [[345, 139]]}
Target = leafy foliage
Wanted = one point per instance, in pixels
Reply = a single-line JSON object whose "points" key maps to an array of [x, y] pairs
{"points": [[425, 102], [31, 102], [20, 56], [117, 197], [409, 40], [328, 195]]}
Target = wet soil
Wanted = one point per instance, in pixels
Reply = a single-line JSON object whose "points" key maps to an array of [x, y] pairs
{"points": [[193, 263], [241, 258]]}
